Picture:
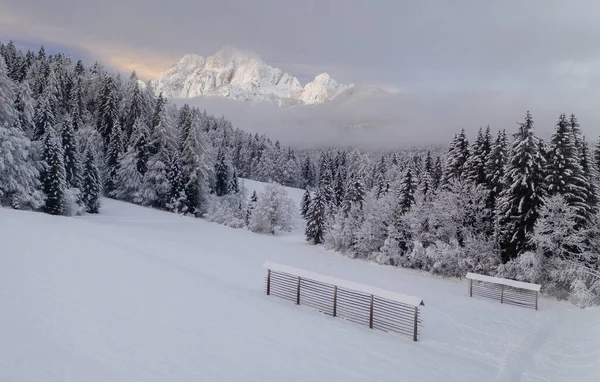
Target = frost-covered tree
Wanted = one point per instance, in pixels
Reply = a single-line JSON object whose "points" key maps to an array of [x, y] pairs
{"points": [[305, 204], [222, 173], [475, 166], [7, 96], [24, 108], [108, 113], [273, 212], [71, 154], [494, 168], [522, 197], [458, 154], [112, 159], [590, 175], [44, 118], [194, 167], [406, 192], [91, 187], [355, 195], [564, 174], [316, 218], [53, 176], [19, 176]]}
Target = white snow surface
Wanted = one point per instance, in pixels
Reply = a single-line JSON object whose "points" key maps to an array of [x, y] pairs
{"points": [[135, 294], [501, 281], [367, 289], [243, 76]]}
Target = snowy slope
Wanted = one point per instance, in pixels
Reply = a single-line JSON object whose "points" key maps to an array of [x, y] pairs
{"points": [[243, 76], [135, 294]]}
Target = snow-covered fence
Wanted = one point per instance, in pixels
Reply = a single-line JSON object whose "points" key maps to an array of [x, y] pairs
{"points": [[507, 291], [377, 308]]}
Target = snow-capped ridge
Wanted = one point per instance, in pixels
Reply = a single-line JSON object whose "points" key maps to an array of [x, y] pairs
{"points": [[242, 75]]}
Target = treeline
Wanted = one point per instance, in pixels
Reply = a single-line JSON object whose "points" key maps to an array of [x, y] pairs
{"points": [[514, 207], [70, 133]]}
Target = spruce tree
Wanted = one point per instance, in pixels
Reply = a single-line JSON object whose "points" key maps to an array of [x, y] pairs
{"points": [[53, 176], [135, 105], [406, 192], [71, 155], [24, 108], [316, 218], [233, 187], [91, 184], [221, 173], [176, 196], [458, 154], [355, 195], [437, 173], [494, 168], [251, 206], [590, 175], [140, 143], [475, 171], [564, 175], [44, 117], [305, 204], [108, 113], [381, 184], [112, 159], [522, 197], [339, 188], [7, 111]]}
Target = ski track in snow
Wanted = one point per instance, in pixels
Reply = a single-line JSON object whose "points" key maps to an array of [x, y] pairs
{"points": [[135, 294]]}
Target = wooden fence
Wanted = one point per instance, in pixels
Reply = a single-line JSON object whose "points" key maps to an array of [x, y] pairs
{"points": [[373, 307], [507, 291]]}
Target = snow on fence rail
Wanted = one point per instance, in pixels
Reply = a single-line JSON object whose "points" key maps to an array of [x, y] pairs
{"points": [[507, 291], [379, 309]]}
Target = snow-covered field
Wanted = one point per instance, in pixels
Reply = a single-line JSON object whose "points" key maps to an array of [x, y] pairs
{"points": [[135, 294]]}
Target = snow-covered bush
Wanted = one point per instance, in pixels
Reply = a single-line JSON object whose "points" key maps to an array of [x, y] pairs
{"points": [[274, 211], [229, 210], [528, 267], [581, 295], [74, 204]]}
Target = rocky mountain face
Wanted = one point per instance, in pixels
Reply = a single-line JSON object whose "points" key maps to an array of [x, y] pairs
{"points": [[242, 76]]}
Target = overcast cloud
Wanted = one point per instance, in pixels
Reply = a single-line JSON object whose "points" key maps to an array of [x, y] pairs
{"points": [[457, 63]]}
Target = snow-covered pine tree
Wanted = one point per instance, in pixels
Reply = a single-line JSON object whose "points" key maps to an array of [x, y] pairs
{"points": [[19, 175], [44, 118], [24, 108], [233, 187], [520, 201], [381, 183], [251, 206], [7, 110], [426, 185], [339, 188], [53, 176], [355, 195], [305, 204], [108, 112], [135, 106], [112, 159], [475, 166], [590, 175], [564, 174], [494, 168], [458, 154], [193, 154], [222, 172], [91, 184], [406, 192], [437, 173], [176, 196], [71, 154], [316, 218], [597, 155]]}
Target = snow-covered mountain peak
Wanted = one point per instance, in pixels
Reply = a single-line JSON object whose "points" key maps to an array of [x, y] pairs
{"points": [[242, 75]]}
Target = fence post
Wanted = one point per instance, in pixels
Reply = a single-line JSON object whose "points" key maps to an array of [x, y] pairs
{"points": [[298, 293], [334, 300], [471, 288], [416, 323], [268, 282], [536, 300], [502, 295], [371, 314]]}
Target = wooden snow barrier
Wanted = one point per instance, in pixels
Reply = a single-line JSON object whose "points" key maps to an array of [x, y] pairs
{"points": [[507, 291], [369, 306]]}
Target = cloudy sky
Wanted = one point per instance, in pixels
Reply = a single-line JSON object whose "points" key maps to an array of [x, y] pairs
{"points": [[497, 56]]}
